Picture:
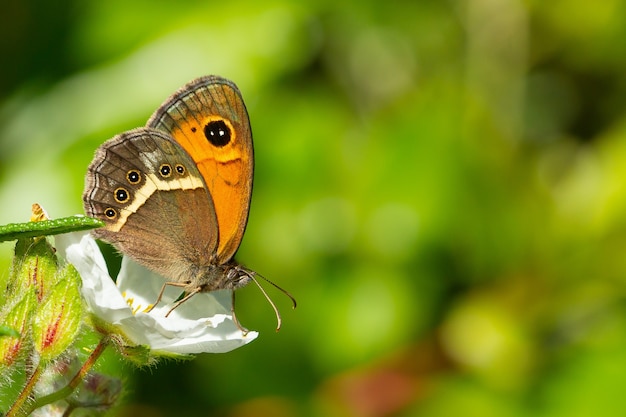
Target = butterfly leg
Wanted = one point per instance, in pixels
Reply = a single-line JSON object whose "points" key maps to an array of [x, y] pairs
{"points": [[173, 284], [235, 320], [185, 298]]}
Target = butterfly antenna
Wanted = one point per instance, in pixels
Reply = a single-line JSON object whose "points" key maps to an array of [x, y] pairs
{"points": [[281, 289], [279, 320]]}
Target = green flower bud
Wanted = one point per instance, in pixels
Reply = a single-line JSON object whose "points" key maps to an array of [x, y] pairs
{"points": [[16, 318], [34, 266], [57, 321]]}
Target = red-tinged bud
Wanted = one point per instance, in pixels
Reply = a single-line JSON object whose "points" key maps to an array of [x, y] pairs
{"points": [[34, 266], [17, 319], [57, 321]]}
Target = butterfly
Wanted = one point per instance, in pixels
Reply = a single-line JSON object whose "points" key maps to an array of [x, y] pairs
{"points": [[175, 195]]}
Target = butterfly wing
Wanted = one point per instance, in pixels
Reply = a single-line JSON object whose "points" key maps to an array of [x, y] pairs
{"points": [[134, 184], [208, 118]]}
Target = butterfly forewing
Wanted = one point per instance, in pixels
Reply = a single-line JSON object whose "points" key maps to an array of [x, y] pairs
{"points": [[134, 184], [208, 118]]}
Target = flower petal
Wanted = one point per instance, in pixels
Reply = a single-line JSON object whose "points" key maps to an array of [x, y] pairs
{"points": [[102, 295]]}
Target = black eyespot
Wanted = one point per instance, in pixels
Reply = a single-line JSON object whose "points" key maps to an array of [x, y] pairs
{"points": [[133, 176], [193, 129], [121, 195], [217, 132], [110, 213], [165, 170], [180, 169]]}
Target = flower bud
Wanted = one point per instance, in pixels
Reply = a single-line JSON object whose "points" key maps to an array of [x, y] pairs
{"points": [[34, 266], [17, 320], [57, 321]]}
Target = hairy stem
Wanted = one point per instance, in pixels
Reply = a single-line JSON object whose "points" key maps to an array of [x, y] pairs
{"points": [[18, 409], [71, 386]]}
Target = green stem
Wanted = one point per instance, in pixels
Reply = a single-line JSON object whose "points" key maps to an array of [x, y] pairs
{"points": [[69, 410], [17, 409], [71, 386]]}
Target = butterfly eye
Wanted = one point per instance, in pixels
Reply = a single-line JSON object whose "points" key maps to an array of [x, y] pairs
{"points": [[133, 176], [110, 213], [180, 169], [165, 170], [121, 195], [217, 132]]}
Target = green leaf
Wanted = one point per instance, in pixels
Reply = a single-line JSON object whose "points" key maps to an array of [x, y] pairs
{"points": [[13, 231], [9, 331]]}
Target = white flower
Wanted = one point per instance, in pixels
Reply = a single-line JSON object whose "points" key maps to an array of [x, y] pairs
{"points": [[202, 324]]}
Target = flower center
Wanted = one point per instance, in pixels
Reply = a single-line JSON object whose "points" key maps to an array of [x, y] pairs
{"points": [[135, 308]]}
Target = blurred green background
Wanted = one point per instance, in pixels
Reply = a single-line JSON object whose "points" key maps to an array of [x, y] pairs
{"points": [[439, 183]]}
